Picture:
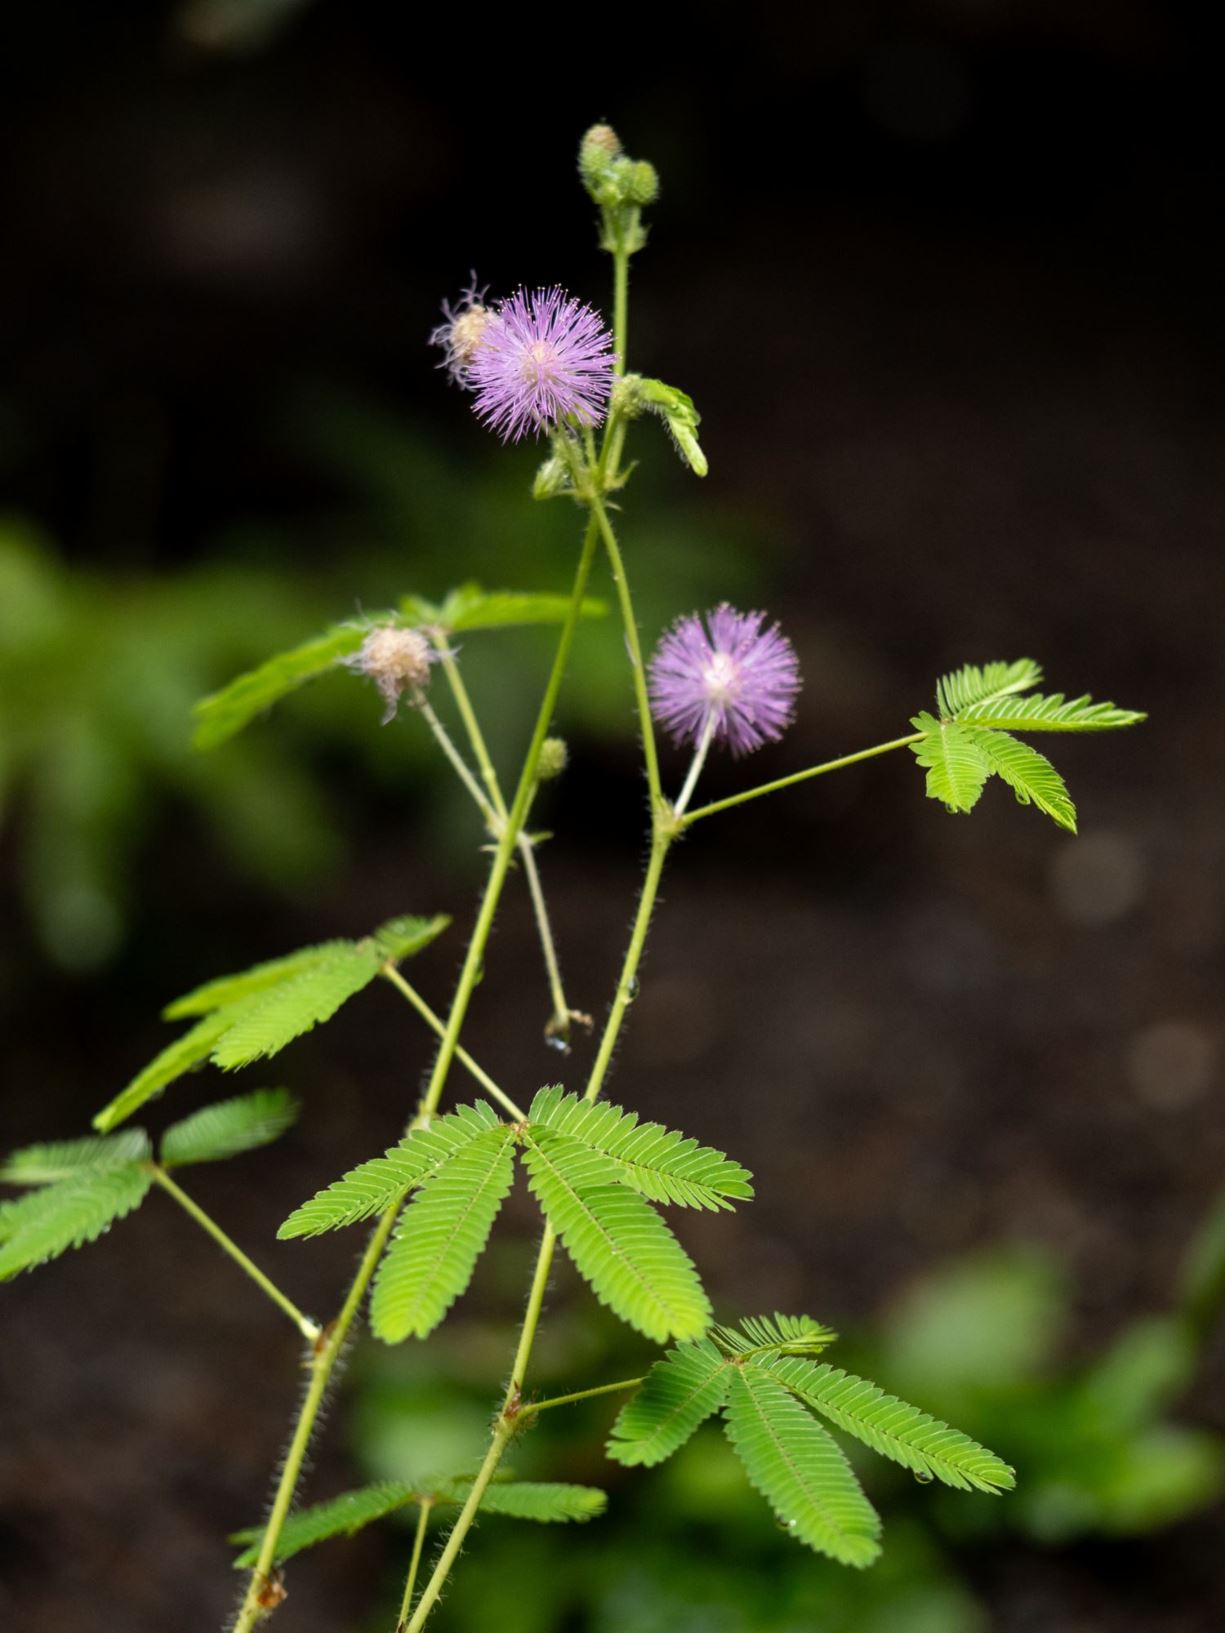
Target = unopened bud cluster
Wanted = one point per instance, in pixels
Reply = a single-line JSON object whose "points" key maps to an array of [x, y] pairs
{"points": [[619, 185]]}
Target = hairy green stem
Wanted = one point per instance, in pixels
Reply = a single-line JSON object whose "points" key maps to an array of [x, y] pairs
{"points": [[414, 1563], [638, 669], [559, 1023], [467, 714], [581, 1395], [443, 738], [309, 1329], [627, 985], [796, 777], [438, 1025]]}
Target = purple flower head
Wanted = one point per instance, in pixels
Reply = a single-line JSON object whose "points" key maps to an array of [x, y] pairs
{"points": [[543, 358], [728, 670]]}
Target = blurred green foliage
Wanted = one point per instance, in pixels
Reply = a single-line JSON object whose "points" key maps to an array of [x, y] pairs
{"points": [[99, 670]]}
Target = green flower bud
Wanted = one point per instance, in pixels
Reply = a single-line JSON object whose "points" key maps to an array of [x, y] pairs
{"points": [[554, 756], [643, 183], [598, 148]]}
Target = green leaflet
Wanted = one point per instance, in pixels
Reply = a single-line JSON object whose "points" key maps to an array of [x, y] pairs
{"points": [[546, 1502], [345, 1515], [231, 989], [440, 1236], [617, 1241], [226, 712], [377, 1184], [774, 1335], [799, 1470], [189, 1050], [1030, 775], [409, 934], [974, 684], [660, 1163], [889, 1426], [680, 1392], [61, 1159], [470, 608], [957, 769], [229, 1127], [263, 1025], [1051, 713], [69, 1214]]}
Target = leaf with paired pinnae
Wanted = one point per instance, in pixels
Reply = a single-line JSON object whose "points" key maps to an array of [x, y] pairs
{"points": [[345, 1515], [70, 1213], [377, 1184], [660, 1163], [61, 1159], [798, 1469], [222, 714], [975, 684], [191, 1049], [618, 1243], [679, 1393], [774, 1335], [263, 1025], [229, 1127], [440, 1236], [1030, 775], [889, 1426], [957, 769]]}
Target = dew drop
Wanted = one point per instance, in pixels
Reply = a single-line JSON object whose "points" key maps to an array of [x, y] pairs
{"points": [[631, 989], [556, 1041], [923, 1478]]}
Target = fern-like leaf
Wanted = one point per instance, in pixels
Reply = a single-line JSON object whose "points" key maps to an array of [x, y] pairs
{"points": [[1030, 775], [957, 769], [345, 1515], [974, 683], [1052, 713], [223, 713], [548, 1502], [439, 1238], [896, 1430], [229, 1127], [774, 1335], [61, 1159], [679, 1393], [617, 1241], [71, 1213], [377, 1184], [265, 1024], [232, 989], [797, 1468], [191, 1049], [660, 1163], [470, 607]]}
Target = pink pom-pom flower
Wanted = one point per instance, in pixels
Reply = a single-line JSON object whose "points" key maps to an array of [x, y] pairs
{"points": [[726, 673], [542, 358]]}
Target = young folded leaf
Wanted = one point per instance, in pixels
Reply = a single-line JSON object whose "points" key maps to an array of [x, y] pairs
{"points": [[679, 1393], [222, 714], [229, 1127], [957, 769], [439, 1238], [345, 1516], [192, 1049], [774, 1335], [974, 684], [799, 1470], [232, 989], [660, 1163], [889, 1426], [263, 1025], [70, 1213], [61, 1159], [617, 1241], [377, 1184]]}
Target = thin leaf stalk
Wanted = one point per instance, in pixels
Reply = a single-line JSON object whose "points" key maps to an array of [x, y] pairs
{"points": [[414, 1564], [688, 819]]}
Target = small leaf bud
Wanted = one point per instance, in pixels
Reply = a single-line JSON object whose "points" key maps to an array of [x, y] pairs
{"points": [[397, 661], [554, 756]]}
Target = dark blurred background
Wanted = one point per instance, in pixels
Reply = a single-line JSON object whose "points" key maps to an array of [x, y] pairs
{"points": [[944, 279]]}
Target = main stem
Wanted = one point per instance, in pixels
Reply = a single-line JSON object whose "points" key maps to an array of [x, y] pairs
{"points": [[329, 1348]]}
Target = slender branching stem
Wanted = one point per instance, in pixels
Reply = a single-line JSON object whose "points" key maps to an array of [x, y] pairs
{"points": [[627, 985], [502, 1433], [492, 819], [638, 669], [621, 291], [414, 1564], [718, 805], [438, 1025], [467, 714], [309, 1329], [580, 1395], [559, 1024], [699, 760]]}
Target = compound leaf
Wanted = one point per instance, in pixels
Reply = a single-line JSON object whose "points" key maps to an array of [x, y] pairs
{"points": [[619, 1244], [263, 1025], [660, 1163], [340, 1516], [974, 684], [679, 1393], [222, 714], [440, 1236], [70, 1213], [61, 1159], [545, 1501], [1030, 775], [774, 1335], [377, 1184], [231, 989], [896, 1430], [1051, 713], [470, 607], [957, 769], [191, 1049], [229, 1127], [797, 1468]]}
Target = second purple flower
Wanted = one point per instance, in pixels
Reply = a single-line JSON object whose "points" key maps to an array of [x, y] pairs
{"points": [[726, 672]]}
